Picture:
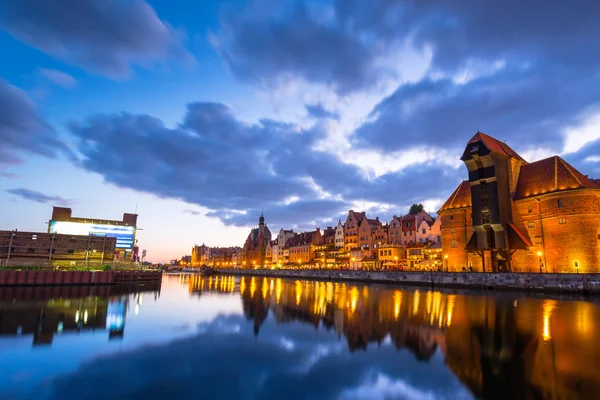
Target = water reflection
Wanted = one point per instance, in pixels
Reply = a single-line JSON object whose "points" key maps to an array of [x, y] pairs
{"points": [[43, 312], [499, 347]]}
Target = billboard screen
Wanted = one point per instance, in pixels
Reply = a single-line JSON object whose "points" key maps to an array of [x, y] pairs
{"points": [[124, 234]]}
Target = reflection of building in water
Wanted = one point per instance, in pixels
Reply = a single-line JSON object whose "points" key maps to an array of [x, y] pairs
{"points": [[499, 348], [48, 317]]}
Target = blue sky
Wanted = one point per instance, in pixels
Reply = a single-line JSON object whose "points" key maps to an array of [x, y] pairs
{"points": [[202, 114]]}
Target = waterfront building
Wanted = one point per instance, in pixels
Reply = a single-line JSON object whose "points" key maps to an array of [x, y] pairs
{"points": [[395, 230], [339, 235], [63, 222], [379, 234], [355, 259], [410, 224], [302, 246], [200, 255], [255, 246], [415, 254], [279, 247], [429, 231], [512, 215], [351, 229], [366, 229], [391, 256], [41, 248]]}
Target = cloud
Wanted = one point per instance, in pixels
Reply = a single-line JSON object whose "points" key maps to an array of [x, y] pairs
{"points": [[23, 130], [58, 78], [39, 197], [106, 37], [236, 169], [269, 42], [521, 72], [319, 112], [224, 349]]}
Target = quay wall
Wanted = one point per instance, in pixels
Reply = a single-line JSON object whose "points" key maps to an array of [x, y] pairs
{"points": [[568, 283], [34, 278]]}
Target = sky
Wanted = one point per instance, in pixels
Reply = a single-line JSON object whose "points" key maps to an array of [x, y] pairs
{"points": [[200, 115]]}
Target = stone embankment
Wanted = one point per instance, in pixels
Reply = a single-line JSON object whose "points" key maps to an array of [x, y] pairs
{"points": [[567, 283], [31, 278]]}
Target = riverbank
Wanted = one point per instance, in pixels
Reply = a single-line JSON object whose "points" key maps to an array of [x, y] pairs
{"points": [[550, 283], [46, 278]]}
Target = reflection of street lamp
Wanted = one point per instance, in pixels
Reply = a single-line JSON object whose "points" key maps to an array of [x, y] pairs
{"points": [[446, 257], [539, 254], [396, 260]]}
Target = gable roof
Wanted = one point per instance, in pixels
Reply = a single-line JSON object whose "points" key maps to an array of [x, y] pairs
{"points": [[460, 198], [494, 145], [359, 216], [301, 239], [550, 175]]}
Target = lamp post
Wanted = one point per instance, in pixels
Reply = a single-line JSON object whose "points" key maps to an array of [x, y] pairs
{"points": [[396, 260], [540, 254], [446, 258]]}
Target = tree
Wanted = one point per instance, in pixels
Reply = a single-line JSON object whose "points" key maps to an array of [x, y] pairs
{"points": [[416, 208]]}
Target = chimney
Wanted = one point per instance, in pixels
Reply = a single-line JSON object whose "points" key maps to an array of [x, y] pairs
{"points": [[377, 219]]}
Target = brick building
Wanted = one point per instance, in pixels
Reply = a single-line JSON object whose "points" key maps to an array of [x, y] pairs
{"points": [[255, 247], [351, 229], [63, 222], [40, 248], [302, 246], [395, 230], [512, 215]]}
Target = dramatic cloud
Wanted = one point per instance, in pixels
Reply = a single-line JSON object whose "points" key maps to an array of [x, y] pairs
{"points": [[22, 129], [269, 42], [106, 37], [319, 112], [284, 358], [38, 197], [236, 169], [520, 72], [59, 78]]}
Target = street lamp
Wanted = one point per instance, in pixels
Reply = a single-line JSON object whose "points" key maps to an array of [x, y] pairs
{"points": [[539, 254], [446, 258]]}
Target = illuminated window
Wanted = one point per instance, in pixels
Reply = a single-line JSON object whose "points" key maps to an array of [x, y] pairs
{"points": [[562, 220], [538, 240], [531, 225]]}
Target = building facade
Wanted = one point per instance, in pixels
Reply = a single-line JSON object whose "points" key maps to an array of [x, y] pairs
{"points": [[339, 235], [255, 247], [395, 230], [351, 229], [511, 215]]}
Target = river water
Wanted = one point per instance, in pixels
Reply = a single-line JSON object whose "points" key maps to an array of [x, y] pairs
{"points": [[261, 338]]}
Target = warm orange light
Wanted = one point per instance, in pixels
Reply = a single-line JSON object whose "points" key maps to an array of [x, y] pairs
{"points": [[539, 253], [446, 256]]}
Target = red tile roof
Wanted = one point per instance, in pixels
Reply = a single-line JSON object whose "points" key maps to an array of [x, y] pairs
{"points": [[495, 145], [551, 175], [597, 182], [374, 222], [460, 198]]}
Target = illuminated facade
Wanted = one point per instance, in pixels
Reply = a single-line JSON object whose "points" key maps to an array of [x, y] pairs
{"points": [[39, 248], [511, 215], [351, 229], [124, 231], [302, 246], [254, 251]]}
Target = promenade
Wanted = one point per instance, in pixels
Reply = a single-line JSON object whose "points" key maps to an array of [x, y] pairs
{"points": [[534, 282]]}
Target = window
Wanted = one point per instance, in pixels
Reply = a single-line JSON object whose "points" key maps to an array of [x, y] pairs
{"points": [[33, 237], [576, 264], [538, 240], [381, 253], [560, 203], [424, 231], [451, 217], [453, 244], [409, 223], [485, 217], [529, 209], [531, 225], [394, 225], [452, 231], [562, 220], [404, 233], [364, 230], [31, 250]]}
